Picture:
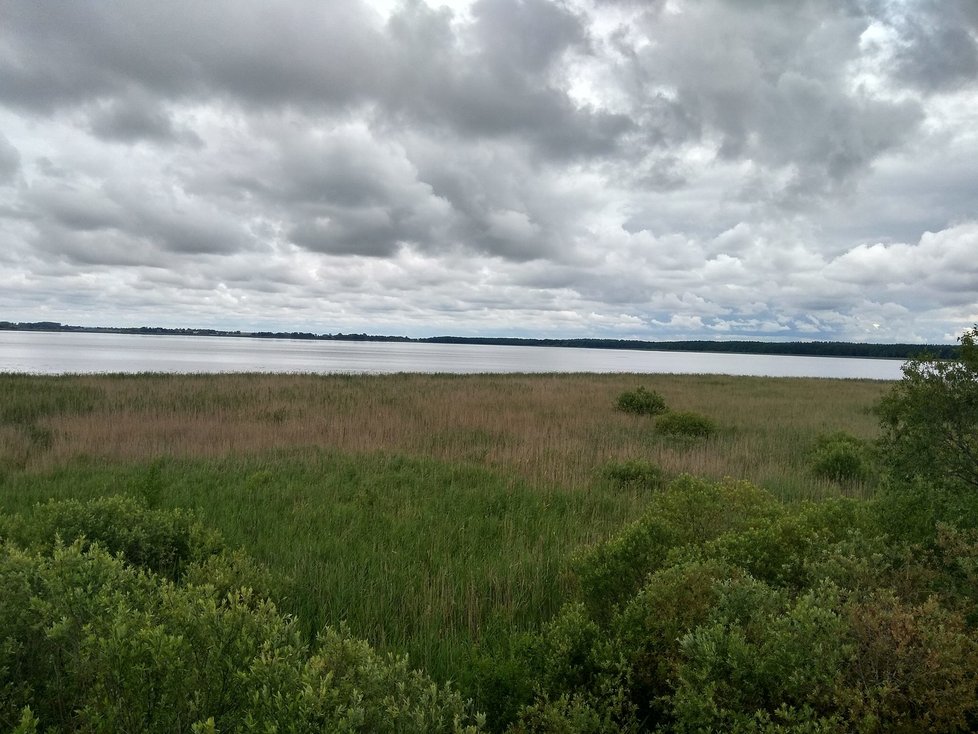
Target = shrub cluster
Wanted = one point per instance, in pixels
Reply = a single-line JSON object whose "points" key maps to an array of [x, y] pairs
{"points": [[641, 401], [100, 633], [723, 610], [685, 424], [842, 458]]}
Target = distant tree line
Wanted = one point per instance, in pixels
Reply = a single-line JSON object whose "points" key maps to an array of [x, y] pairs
{"points": [[796, 348]]}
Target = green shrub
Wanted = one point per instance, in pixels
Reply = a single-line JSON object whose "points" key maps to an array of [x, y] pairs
{"points": [[929, 422], [641, 402], [163, 541], [674, 601], [688, 424], [569, 714], [688, 511], [761, 652], [842, 458], [579, 679], [90, 642], [633, 472], [789, 549], [914, 667]]}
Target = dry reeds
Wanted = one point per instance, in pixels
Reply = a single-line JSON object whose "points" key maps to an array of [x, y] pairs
{"points": [[549, 429]]}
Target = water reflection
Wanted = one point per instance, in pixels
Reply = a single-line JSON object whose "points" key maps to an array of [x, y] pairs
{"points": [[58, 352]]}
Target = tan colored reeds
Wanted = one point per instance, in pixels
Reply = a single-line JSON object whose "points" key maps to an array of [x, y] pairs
{"points": [[550, 429]]}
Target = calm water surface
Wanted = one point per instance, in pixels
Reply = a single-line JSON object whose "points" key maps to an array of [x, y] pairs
{"points": [[59, 352]]}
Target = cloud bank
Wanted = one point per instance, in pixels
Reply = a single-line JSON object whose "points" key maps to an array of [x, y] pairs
{"points": [[662, 169]]}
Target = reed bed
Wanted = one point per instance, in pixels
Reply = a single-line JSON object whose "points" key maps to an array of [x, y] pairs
{"points": [[553, 430], [428, 512]]}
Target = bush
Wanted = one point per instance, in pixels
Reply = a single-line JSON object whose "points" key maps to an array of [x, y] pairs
{"points": [[90, 642], [688, 511], [162, 541], [632, 472], [672, 603], [842, 458], [760, 652], [641, 402], [929, 422], [692, 425], [914, 668]]}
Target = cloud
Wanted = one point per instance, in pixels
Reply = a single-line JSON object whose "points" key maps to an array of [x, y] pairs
{"points": [[9, 160], [937, 47], [653, 169], [939, 270], [136, 118]]}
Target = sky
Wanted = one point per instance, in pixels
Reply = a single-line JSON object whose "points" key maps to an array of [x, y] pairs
{"points": [[657, 169]]}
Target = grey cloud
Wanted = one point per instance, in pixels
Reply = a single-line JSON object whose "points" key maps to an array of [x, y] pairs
{"points": [[369, 231], [770, 86], [75, 208], [137, 118], [526, 36], [939, 270], [321, 57], [938, 45], [9, 160], [257, 52], [97, 249], [506, 85], [346, 192], [104, 219]]}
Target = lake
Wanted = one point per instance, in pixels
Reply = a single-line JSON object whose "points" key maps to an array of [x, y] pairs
{"points": [[51, 353]]}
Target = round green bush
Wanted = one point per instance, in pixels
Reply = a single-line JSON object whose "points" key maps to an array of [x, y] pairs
{"points": [[842, 458], [685, 424], [641, 402]]}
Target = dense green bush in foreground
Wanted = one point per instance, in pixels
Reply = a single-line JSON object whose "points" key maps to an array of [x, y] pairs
{"points": [[722, 610], [117, 618]]}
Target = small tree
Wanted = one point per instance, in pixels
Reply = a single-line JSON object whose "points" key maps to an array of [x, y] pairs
{"points": [[841, 457], [929, 422]]}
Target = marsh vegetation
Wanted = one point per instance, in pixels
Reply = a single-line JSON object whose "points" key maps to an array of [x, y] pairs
{"points": [[549, 555]]}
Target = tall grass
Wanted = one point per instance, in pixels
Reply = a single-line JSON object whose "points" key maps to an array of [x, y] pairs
{"points": [[553, 430], [428, 512], [416, 555]]}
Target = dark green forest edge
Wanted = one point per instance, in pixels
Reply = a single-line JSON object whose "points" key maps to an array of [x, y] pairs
{"points": [[802, 349], [719, 609]]}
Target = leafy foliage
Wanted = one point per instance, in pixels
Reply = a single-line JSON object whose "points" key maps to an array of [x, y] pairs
{"points": [[690, 510], [841, 457], [722, 610], [930, 422], [164, 542], [641, 401], [688, 424], [91, 642]]}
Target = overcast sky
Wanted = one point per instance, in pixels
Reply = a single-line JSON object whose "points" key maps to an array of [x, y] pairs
{"points": [[717, 169]]}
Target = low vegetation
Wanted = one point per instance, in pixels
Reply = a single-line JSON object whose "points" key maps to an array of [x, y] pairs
{"points": [[841, 457], [633, 472], [145, 623], [641, 401], [551, 563], [689, 424]]}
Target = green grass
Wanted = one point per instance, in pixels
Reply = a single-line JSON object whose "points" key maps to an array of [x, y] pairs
{"points": [[429, 512], [415, 555]]}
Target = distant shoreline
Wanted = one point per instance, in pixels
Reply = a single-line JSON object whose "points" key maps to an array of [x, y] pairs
{"points": [[795, 349]]}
